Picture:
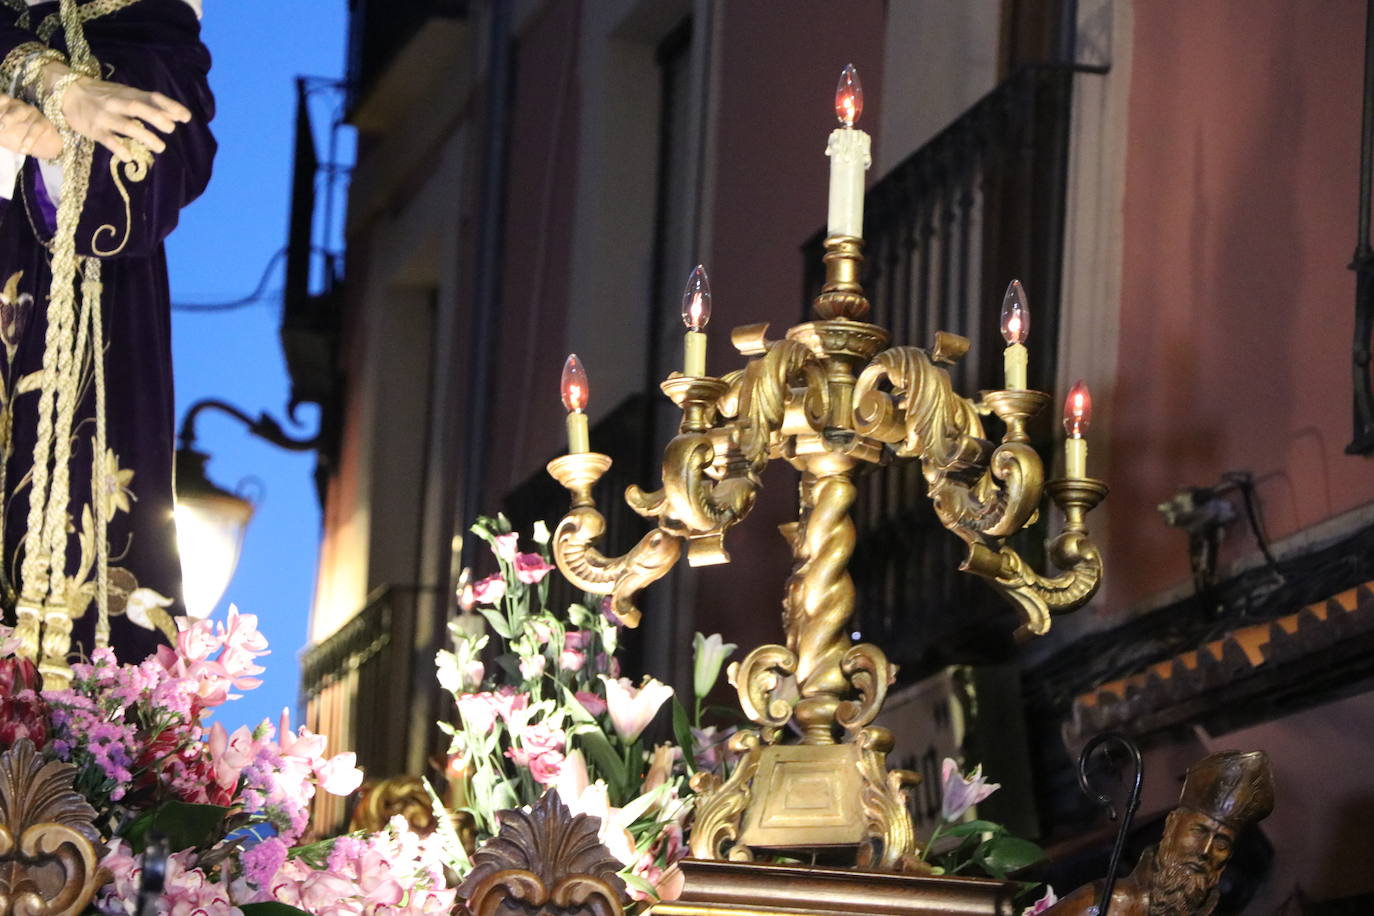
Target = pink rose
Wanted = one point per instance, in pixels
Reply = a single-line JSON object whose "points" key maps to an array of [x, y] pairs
{"points": [[577, 639], [489, 590], [478, 711], [546, 767], [572, 660], [508, 702], [531, 568], [532, 667]]}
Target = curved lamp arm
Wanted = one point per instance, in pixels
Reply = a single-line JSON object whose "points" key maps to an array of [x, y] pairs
{"points": [[263, 426]]}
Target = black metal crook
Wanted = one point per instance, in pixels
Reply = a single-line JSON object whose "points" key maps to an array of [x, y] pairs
{"points": [[154, 877], [1098, 798]]}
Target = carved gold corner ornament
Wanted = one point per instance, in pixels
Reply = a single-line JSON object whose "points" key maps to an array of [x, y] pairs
{"points": [[49, 847], [830, 398], [545, 862]]}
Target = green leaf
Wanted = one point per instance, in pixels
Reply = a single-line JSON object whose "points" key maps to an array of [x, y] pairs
{"points": [[574, 707], [270, 908], [184, 825], [601, 755], [967, 828], [640, 884], [1002, 855], [682, 730], [497, 621]]}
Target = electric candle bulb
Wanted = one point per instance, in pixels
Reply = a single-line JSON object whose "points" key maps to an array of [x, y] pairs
{"points": [[696, 312], [850, 152], [1078, 414], [849, 96], [574, 389], [1015, 328]]}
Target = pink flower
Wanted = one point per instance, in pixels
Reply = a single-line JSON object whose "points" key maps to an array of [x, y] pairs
{"points": [[229, 754], [197, 640], [1043, 904], [572, 659], [489, 590], [505, 546], [479, 712], [473, 672], [305, 744], [532, 667], [545, 768], [339, 775], [508, 702], [591, 702], [573, 778], [633, 708], [540, 749], [577, 639], [660, 767], [531, 568], [541, 628], [960, 794]]}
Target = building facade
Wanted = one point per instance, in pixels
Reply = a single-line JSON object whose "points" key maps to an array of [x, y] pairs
{"points": [[1176, 183]]}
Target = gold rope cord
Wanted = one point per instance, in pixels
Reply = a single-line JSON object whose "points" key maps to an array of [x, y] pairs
{"points": [[93, 10], [72, 330]]}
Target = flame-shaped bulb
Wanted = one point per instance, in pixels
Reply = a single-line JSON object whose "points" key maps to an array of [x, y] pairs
{"points": [[696, 300], [574, 384], [849, 96], [1078, 410], [1015, 314]]}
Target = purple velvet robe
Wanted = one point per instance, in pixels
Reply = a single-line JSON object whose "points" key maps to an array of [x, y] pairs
{"points": [[153, 45]]}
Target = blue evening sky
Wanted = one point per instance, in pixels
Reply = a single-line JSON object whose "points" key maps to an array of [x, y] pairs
{"points": [[218, 253]]}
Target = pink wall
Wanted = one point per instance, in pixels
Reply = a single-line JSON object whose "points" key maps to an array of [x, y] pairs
{"points": [[1236, 307], [779, 63]]}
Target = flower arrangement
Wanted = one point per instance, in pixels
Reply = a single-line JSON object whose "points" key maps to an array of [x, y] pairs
{"points": [[552, 712], [959, 845], [233, 807]]}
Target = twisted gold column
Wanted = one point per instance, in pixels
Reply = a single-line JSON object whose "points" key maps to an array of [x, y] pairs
{"points": [[820, 598]]}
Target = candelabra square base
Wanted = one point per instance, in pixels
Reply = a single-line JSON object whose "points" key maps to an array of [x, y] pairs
{"points": [[806, 796]]}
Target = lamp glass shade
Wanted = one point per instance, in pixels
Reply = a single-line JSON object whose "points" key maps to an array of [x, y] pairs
{"points": [[210, 526]]}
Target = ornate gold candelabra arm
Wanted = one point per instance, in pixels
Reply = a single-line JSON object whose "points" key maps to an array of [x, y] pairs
{"points": [[788, 374], [580, 561], [1038, 596]]}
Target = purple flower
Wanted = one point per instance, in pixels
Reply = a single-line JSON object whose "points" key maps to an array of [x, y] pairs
{"points": [[260, 864], [960, 794]]}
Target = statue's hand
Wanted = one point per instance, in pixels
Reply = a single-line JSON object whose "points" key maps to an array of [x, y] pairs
{"points": [[111, 114], [23, 129]]}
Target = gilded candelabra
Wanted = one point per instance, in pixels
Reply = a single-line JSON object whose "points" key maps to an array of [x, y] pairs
{"points": [[829, 398]]}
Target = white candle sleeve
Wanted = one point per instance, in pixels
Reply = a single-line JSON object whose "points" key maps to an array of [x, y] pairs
{"points": [[850, 152]]}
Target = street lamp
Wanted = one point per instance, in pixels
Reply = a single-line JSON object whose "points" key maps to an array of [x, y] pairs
{"points": [[211, 520]]}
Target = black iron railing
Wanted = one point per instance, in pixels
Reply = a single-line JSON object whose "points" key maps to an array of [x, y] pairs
{"points": [[353, 683], [946, 230], [1362, 443]]}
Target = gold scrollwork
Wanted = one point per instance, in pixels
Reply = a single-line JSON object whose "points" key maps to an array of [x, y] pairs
{"points": [[49, 862], [135, 170], [718, 815], [757, 678], [868, 670]]}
